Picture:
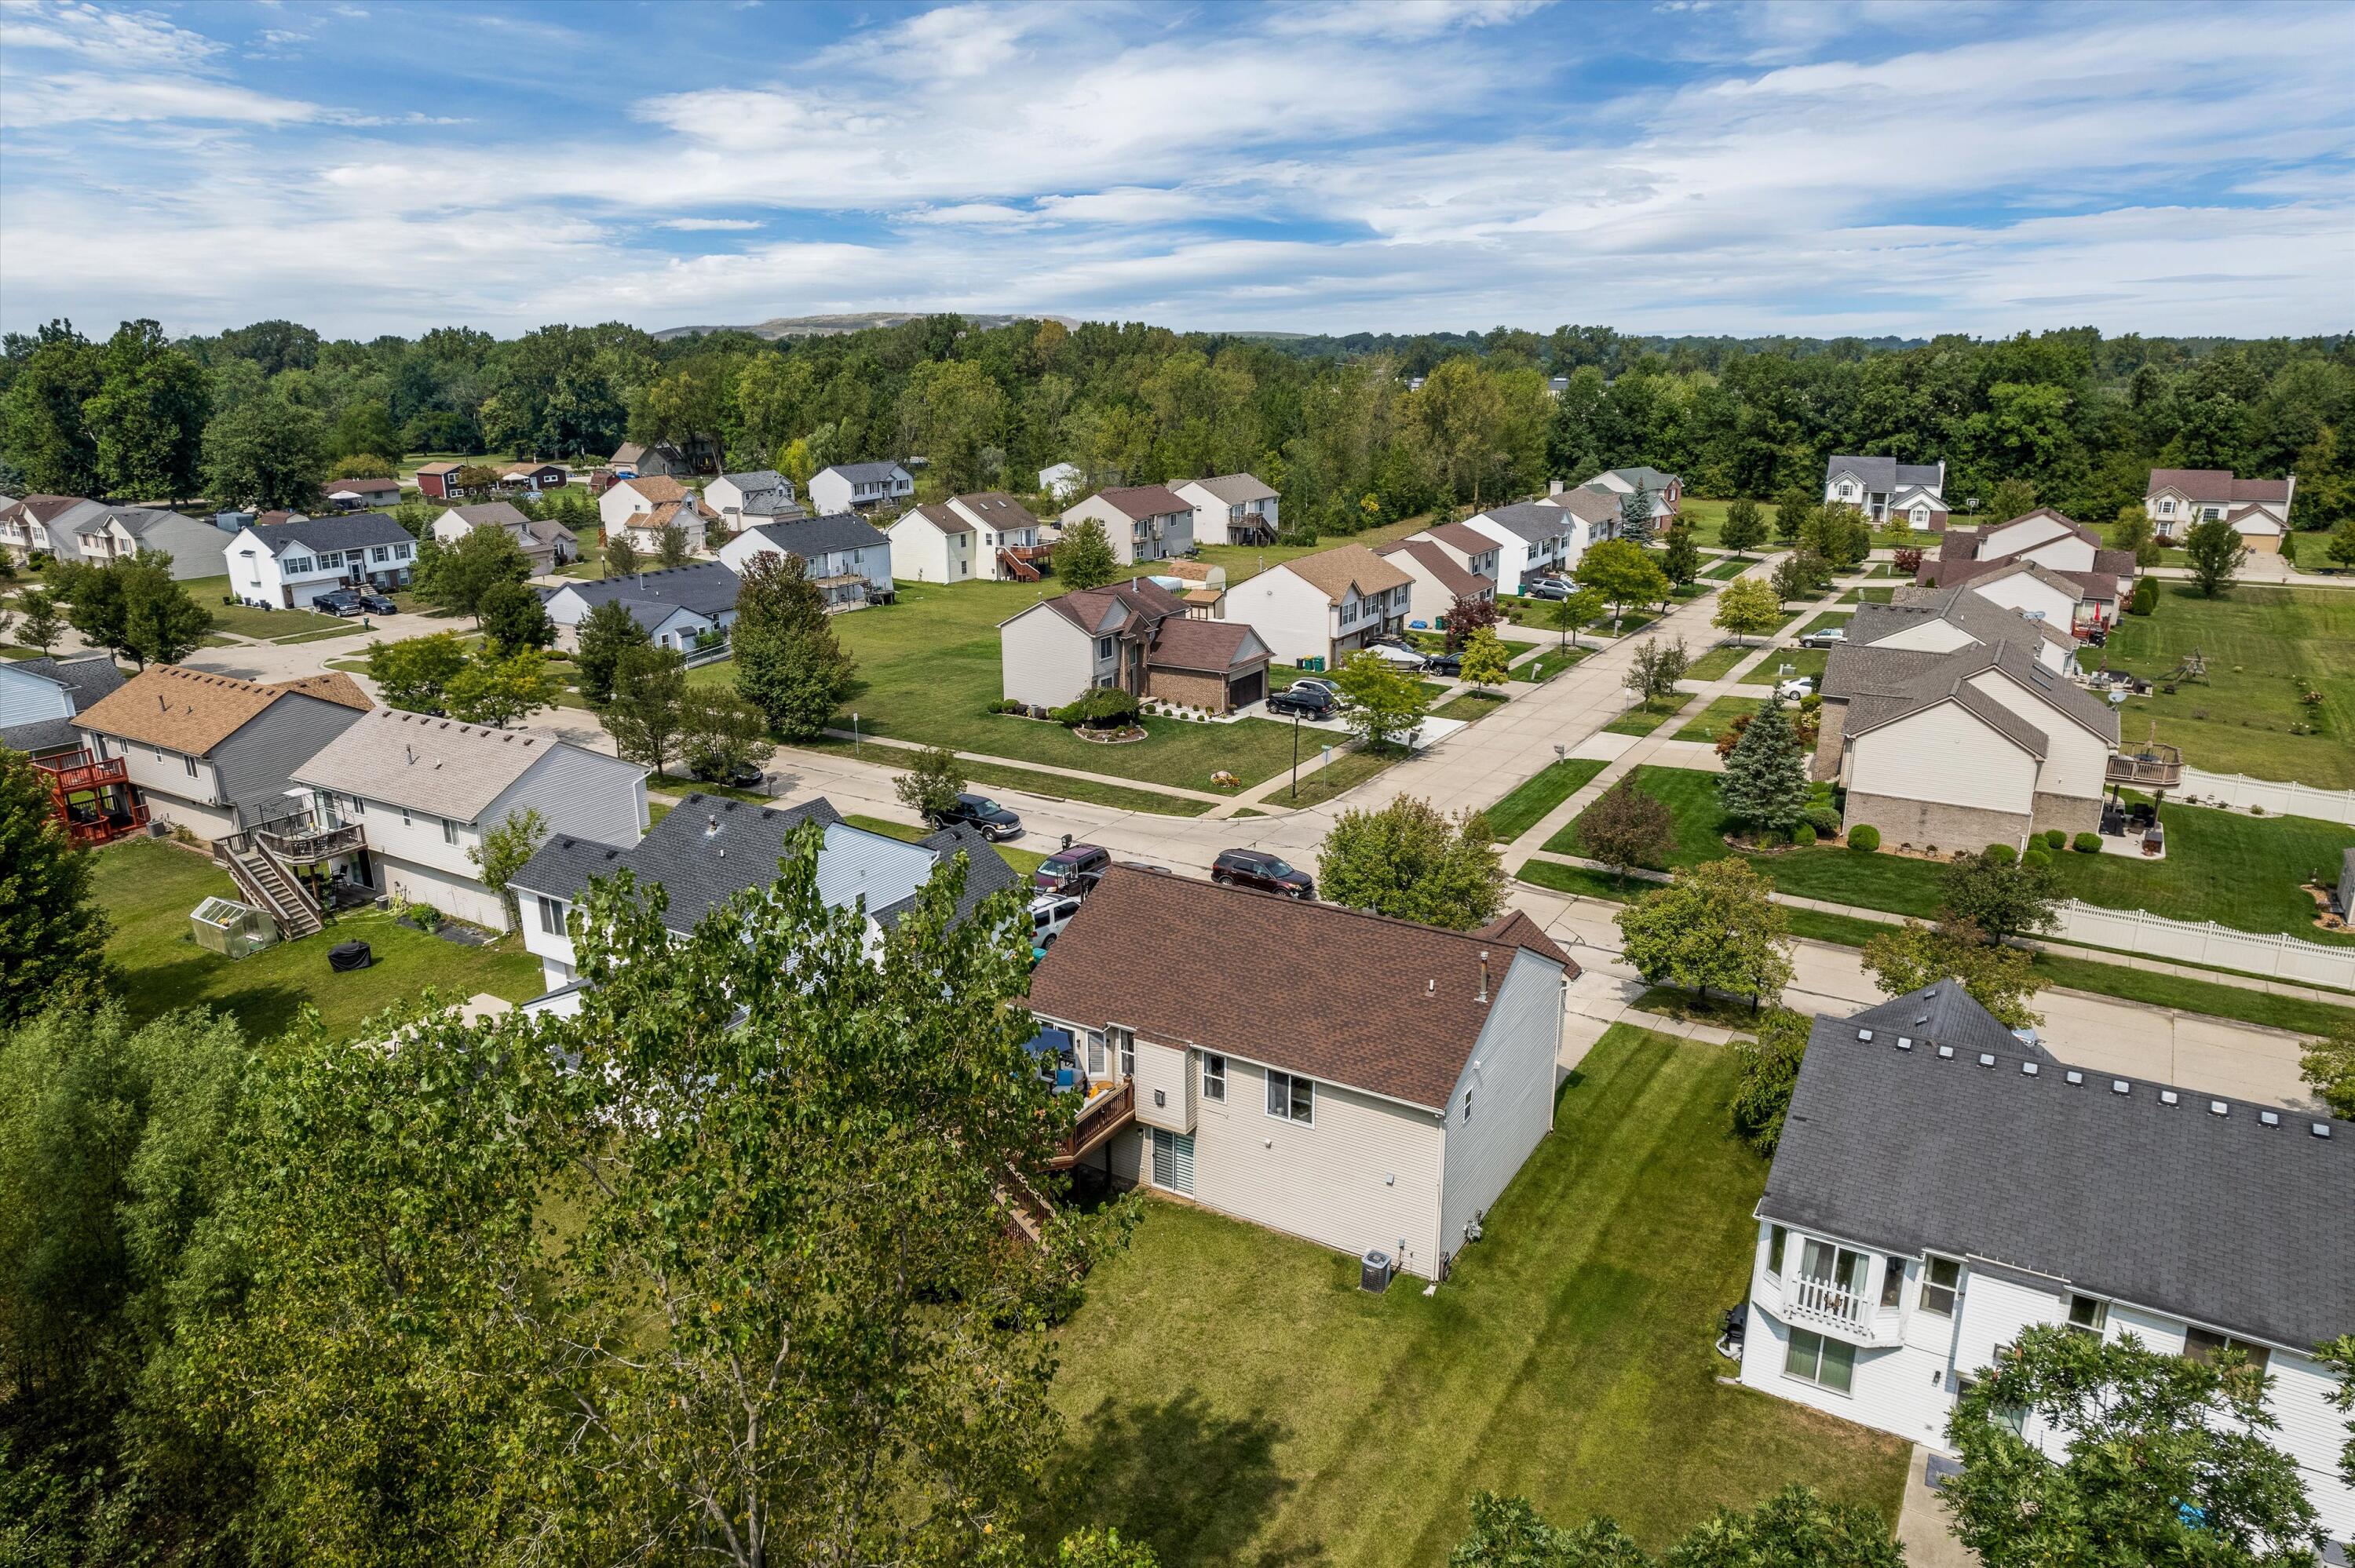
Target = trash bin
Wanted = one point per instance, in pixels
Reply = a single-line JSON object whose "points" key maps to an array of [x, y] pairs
{"points": [[345, 957], [1375, 1274]]}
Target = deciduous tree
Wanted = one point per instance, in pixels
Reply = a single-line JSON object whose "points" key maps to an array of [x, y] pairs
{"points": [[1486, 660], [2329, 1064], [671, 546], [719, 732], [41, 625], [932, 784], [512, 617], [147, 417], [411, 674], [606, 633], [1680, 557], [498, 686], [788, 663], [1747, 607], [646, 716], [2001, 979], [459, 577], [1628, 827], [1385, 704], [52, 933], [1621, 572], [1411, 862], [1656, 669], [1713, 928], [1770, 1071], [1745, 528], [1999, 898], [266, 453], [1466, 616], [2215, 551], [1794, 1528], [1579, 608], [621, 555], [1083, 556], [2012, 497], [506, 845]]}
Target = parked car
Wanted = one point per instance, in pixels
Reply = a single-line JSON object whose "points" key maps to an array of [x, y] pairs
{"points": [[1319, 684], [1257, 868], [1392, 652], [343, 602], [1829, 637], [1443, 665], [377, 604], [1073, 865], [745, 777], [1308, 702], [1797, 687], [1546, 588], [995, 822], [1050, 913]]}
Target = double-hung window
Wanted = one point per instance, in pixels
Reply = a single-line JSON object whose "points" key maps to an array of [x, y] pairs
{"points": [[1827, 1363], [1777, 1238], [1095, 1054], [2088, 1315], [1942, 1280], [2201, 1345], [1467, 1107], [1214, 1078], [551, 915], [448, 830], [1292, 1097], [380, 554], [1893, 1281], [1125, 1042]]}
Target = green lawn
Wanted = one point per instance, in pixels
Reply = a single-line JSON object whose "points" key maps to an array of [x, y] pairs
{"points": [[1345, 772], [1471, 705], [148, 888], [1715, 719], [1542, 667], [1869, 596], [1829, 620], [1244, 561], [1728, 569], [1055, 784], [1232, 1397], [1719, 662], [1644, 718], [348, 629], [2262, 646], [1802, 661], [928, 669], [243, 621], [1023, 862], [1520, 810]]}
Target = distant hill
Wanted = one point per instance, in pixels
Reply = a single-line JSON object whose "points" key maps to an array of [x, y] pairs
{"points": [[859, 321]]}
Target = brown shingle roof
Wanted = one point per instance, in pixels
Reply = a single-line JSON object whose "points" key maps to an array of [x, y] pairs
{"points": [[440, 467], [1331, 572], [2220, 484], [193, 711], [1462, 537], [1390, 1007], [1086, 607], [1139, 500], [656, 488], [941, 515], [1211, 647], [41, 508], [997, 508], [1517, 930], [1441, 566]]}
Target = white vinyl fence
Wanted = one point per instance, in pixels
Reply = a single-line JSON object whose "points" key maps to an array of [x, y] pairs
{"points": [[2241, 792], [2274, 956]]}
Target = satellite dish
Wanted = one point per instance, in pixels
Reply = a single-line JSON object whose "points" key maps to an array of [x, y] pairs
{"points": [[2117, 696]]}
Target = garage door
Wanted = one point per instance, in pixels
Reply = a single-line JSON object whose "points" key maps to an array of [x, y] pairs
{"points": [[1247, 690]]}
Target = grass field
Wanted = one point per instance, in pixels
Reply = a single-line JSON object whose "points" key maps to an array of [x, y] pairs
{"points": [[1802, 661], [1471, 705], [1244, 561], [1869, 596], [1645, 717], [1234, 1398], [1727, 569], [1719, 662], [243, 621], [1545, 666], [148, 888], [1345, 772], [1521, 809], [2263, 646], [1715, 719]]}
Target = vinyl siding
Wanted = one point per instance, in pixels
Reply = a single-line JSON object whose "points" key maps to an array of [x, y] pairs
{"points": [[1167, 1071], [452, 894], [1043, 659], [27, 699], [1292, 619], [198, 549], [1946, 754], [2075, 758], [2013, 537], [2067, 554], [2025, 594], [1510, 1076], [582, 793]]}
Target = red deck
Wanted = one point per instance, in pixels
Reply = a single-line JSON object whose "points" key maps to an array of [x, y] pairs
{"points": [[91, 799]]}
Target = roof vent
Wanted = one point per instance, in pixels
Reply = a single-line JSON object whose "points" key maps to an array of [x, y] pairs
{"points": [[2074, 1076], [1864, 1035], [2169, 1097], [2218, 1107], [712, 825], [2028, 1068], [2321, 1129], [2269, 1119], [1987, 1059], [1945, 1052], [2120, 1087]]}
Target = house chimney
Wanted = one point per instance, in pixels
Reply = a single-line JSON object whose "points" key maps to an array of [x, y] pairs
{"points": [[1484, 974]]}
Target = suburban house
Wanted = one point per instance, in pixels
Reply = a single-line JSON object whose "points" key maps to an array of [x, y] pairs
{"points": [[1201, 584], [634, 460], [25, 525], [440, 482], [1061, 480], [989, 535], [640, 509], [533, 477], [1941, 1186], [359, 494], [1379, 1099], [1136, 635], [1531, 540], [2093, 580], [400, 799], [104, 532], [546, 544], [1596, 513], [1884, 489], [861, 487], [709, 850], [1325, 607], [40, 698], [1666, 490], [1143, 522], [2258, 509], [843, 554], [1231, 509], [678, 607], [744, 499], [1953, 723], [212, 753], [289, 565], [1467, 547], [1438, 580]]}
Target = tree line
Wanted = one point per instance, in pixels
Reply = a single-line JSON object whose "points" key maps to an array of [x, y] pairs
{"points": [[1351, 430]]}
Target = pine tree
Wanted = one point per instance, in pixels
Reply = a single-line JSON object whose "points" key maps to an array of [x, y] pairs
{"points": [[1765, 782]]}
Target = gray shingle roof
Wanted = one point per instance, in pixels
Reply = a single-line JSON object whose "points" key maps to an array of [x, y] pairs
{"points": [[1587, 504], [755, 478], [1981, 619], [865, 473], [1886, 474], [2219, 1219], [814, 537], [436, 765], [1938, 677], [1236, 488], [341, 531], [1650, 478], [89, 676], [707, 588], [1532, 522]]}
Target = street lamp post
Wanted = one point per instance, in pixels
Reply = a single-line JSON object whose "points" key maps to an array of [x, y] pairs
{"points": [[1295, 755]]}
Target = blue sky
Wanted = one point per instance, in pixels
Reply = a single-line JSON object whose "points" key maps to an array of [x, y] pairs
{"points": [[1676, 167]]}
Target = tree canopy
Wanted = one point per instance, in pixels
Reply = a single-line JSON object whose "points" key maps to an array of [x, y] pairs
{"points": [[1411, 862]]}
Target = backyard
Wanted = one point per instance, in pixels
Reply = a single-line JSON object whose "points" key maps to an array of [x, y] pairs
{"points": [[148, 887], [1232, 1397], [2265, 647]]}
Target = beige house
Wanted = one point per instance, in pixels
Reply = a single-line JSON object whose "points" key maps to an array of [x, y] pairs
{"points": [[2258, 509], [1379, 1100], [2042, 561], [1438, 579], [1324, 607], [1143, 522], [1953, 723], [1136, 635], [641, 507], [1231, 509], [547, 544]]}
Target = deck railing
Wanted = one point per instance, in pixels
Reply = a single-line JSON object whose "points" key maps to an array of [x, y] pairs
{"points": [[2153, 766], [1826, 1302], [1105, 1115]]}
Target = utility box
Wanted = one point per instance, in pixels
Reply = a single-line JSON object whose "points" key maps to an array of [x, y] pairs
{"points": [[233, 929], [1375, 1271]]}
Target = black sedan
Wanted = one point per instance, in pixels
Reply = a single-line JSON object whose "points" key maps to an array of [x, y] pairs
{"points": [[994, 823], [742, 776], [1443, 665]]}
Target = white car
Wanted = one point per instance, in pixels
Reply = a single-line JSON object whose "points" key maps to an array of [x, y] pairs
{"points": [[1050, 913], [1796, 688], [1391, 654]]}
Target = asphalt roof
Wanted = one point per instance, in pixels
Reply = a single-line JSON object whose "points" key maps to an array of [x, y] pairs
{"points": [[1234, 488], [2216, 484], [1587, 503], [2214, 1216], [1439, 563], [438, 765], [1532, 522], [863, 472], [1138, 501], [707, 588], [337, 531], [1885, 474], [810, 537]]}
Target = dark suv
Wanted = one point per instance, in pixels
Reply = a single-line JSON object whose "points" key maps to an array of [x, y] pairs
{"points": [[1073, 865], [1308, 702], [994, 821], [1268, 872]]}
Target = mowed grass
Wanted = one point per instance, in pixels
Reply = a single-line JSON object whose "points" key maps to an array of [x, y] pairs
{"points": [[1522, 810], [148, 888], [1717, 718], [1802, 662], [244, 620], [1719, 662], [2262, 647], [1244, 561], [1231, 1396]]}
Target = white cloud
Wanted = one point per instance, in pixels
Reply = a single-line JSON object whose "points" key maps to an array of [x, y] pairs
{"points": [[693, 225], [142, 39]]}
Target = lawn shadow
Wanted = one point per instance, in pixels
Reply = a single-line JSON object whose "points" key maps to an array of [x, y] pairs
{"points": [[1189, 1482], [264, 1009]]}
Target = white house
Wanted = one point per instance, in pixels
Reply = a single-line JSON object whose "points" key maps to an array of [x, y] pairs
{"points": [[1467, 547], [708, 850], [289, 565], [2258, 509], [546, 544], [1379, 1099], [843, 554], [1666, 490], [1061, 481], [1143, 522], [1136, 635], [1438, 580], [678, 608], [2069, 558], [1596, 514], [988, 534], [744, 499], [1952, 723], [104, 533], [640, 508], [40, 698], [1231, 509], [422, 791], [1532, 540], [861, 487], [1941, 1186], [1882, 488], [1323, 606]]}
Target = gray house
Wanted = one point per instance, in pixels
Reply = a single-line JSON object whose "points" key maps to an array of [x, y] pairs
{"points": [[861, 487], [106, 532], [844, 556], [40, 697], [676, 607]]}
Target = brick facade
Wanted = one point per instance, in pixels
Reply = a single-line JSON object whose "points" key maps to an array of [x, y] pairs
{"points": [[1832, 719], [1189, 688], [1927, 824], [2071, 813]]}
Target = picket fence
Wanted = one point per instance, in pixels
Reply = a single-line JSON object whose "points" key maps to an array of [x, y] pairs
{"points": [[2274, 955], [2276, 800]]}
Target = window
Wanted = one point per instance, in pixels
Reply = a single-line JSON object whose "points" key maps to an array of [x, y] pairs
{"points": [[400, 552], [1777, 1239], [2200, 1345], [1095, 1054], [1942, 1280], [1214, 1078], [358, 806], [551, 915], [2088, 1315], [190, 763], [448, 830], [1835, 1266], [332, 560], [1893, 1281], [1292, 1098], [1104, 647], [404, 818], [380, 552], [296, 565], [1467, 1107], [1827, 1363], [1126, 1040]]}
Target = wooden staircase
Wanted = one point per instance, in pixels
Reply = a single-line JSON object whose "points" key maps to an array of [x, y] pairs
{"points": [[269, 885], [1015, 568]]}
